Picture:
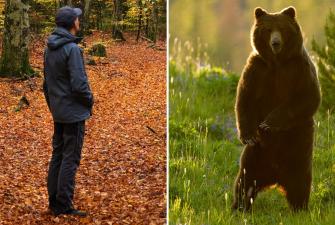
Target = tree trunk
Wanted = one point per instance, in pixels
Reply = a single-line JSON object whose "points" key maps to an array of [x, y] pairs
{"points": [[15, 55], [85, 6], [139, 19], [147, 25], [86, 15], [65, 2], [117, 18], [154, 28], [57, 5]]}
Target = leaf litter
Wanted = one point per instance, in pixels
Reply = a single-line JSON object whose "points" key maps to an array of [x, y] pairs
{"points": [[122, 176]]}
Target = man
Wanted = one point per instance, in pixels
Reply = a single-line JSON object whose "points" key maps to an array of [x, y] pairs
{"points": [[70, 101]]}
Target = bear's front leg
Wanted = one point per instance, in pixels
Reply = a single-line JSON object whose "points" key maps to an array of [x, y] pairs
{"points": [[255, 173], [246, 106], [296, 111]]}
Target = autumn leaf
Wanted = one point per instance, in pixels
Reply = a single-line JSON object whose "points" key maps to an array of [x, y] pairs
{"points": [[121, 179]]}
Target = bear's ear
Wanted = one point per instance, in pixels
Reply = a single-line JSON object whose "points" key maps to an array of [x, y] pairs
{"points": [[259, 12], [289, 11]]}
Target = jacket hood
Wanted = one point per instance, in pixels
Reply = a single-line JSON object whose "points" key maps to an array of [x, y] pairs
{"points": [[60, 37]]}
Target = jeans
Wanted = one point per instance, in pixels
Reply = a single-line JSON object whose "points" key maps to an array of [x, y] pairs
{"points": [[67, 143]]}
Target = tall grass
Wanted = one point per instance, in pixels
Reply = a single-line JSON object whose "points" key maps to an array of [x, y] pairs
{"points": [[204, 152]]}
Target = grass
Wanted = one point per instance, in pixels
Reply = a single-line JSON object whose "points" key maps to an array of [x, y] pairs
{"points": [[204, 155]]}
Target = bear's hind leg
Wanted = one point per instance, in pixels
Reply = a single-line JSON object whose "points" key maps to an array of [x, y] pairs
{"points": [[245, 189], [254, 174], [296, 167], [298, 190]]}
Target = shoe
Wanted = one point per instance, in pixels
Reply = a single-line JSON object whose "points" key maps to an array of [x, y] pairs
{"points": [[76, 212], [73, 212]]}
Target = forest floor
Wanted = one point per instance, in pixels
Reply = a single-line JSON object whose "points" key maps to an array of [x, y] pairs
{"points": [[122, 176]]}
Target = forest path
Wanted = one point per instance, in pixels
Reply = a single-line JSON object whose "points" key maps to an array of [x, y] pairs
{"points": [[122, 176]]}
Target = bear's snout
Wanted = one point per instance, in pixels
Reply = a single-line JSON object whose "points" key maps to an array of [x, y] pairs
{"points": [[276, 42]]}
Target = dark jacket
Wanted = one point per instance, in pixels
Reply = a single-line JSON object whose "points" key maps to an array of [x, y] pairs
{"points": [[65, 86]]}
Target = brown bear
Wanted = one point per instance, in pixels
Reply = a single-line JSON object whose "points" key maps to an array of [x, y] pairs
{"points": [[277, 95]]}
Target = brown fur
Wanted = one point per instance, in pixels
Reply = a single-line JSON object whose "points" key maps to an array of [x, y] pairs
{"points": [[277, 96]]}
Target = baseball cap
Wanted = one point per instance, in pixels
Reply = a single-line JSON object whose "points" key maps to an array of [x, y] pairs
{"points": [[66, 16]]}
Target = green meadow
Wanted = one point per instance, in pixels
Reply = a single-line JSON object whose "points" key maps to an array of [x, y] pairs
{"points": [[204, 152]]}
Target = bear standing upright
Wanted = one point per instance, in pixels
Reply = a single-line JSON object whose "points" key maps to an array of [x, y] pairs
{"points": [[277, 96]]}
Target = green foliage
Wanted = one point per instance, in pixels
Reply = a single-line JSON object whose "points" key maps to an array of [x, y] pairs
{"points": [[150, 13], [103, 16], [204, 153], [41, 15], [326, 64]]}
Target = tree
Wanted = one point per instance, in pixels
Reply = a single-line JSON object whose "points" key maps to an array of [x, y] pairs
{"points": [[154, 21], [147, 16], [117, 19], [140, 16], [155, 18], [15, 55], [85, 7], [86, 15], [326, 64], [65, 2]]}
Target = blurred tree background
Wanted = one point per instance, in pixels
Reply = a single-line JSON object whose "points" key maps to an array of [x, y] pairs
{"points": [[117, 16], [224, 25], [148, 16], [21, 19]]}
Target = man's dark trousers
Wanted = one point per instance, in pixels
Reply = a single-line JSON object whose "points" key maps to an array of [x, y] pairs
{"points": [[67, 145]]}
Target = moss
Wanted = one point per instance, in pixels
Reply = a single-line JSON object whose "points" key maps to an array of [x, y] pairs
{"points": [[98, 49], [14, 60]]}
